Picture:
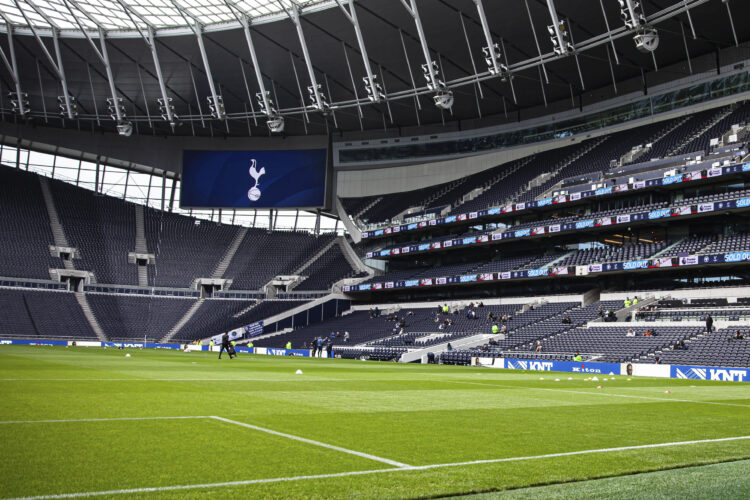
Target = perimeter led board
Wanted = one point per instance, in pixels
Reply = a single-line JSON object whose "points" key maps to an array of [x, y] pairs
{"points": [[254, 179]]}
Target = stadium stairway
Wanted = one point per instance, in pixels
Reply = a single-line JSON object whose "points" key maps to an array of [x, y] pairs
{"points": [[716, 118], [223, 264], [504, 174], [58, 233], [183, 321], [311, 261], [633, 157], [140, 244], [90, 317]]}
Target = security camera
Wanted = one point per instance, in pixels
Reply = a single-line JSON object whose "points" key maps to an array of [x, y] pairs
{"points": [[125, 129], [444, 99], [276, 124], [646, 40]]}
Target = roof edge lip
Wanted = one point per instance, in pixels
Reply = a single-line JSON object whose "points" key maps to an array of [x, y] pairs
{"points": [[163, 31]]}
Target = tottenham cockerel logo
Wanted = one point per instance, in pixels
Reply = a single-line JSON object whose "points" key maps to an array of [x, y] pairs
{"points": [[254, 193]]}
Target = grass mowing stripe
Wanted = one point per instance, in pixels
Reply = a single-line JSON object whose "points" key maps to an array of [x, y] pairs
{"points": [[316, 443], [667, 400], [375, 471], [63, 421]]}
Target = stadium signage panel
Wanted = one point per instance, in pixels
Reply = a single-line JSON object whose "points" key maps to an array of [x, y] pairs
{"points": [[736, 257], [468, 278], [533, 273], [562, 366], [575, 196], [487, 277], [690, 260], [554, 228], [254, 179], [603, 191], [583, 224], [742, 203], [671, 179], [635, 264], [623, 219], [746, 167], [522, 232], [709, 373], [658, 214], [544, 202], [705, 207]]}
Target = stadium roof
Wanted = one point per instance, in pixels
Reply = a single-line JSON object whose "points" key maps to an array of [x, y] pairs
{"points": [[342, 65]]}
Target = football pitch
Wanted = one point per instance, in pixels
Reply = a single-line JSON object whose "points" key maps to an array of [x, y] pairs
{"points": [[89, 422]]}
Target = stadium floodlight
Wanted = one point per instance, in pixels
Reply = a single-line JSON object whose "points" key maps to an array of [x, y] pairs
{"points": [[275, 121], [116, 109], [646, 37], [494, 59], [216, 106], [68, 107], [167, 111], [374, 90], [318, 98], [560, 38], [20, 103]]}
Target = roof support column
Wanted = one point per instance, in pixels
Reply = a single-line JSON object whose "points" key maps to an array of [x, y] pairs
{"points": [[275, 121], [492, 50], [167, 108], [374, 91], [443, 97], [21, 102], [215, 101], [319, 101]]}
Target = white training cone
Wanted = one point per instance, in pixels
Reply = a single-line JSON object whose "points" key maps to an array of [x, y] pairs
{"points": [[541, 378], [298, 372], [557, 380], [595, 379], [606, 379], [570, 378], [127, 355]]}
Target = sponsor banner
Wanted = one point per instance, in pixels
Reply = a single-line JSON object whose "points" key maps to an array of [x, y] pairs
{"points": [[714, 172], [705, 207], [603, 221], [388, 230], [469, 241], [595, 268], [411, 226], [411, 283], [746, 167], [562, 366], [487, 277], [620, 188], [397, 229], [558, 271], [384, 253], [436, 245], [504, 275], [658, 214], [639, 184], [396, 251], [671, 179], [441, 281], [544, 202], [575, 196], [377, 286], [450, 218], [561, 199], [251, 330], [522, 232], [690, 260], [462, 217], [423, 224], [433, 222], [533, 273], [495, 211], [635, 264], [507, 209], [623, 219], [497, 236], [520, 206], [693, 176], [583, 224], [365, 286], [423, 246], [742, 203], [447, 243], [537, 230], [473, 215], [35, 342], [483, 238], [554, 229], [468, 278], [378, 232], [365, 234], [661, 262], [709, 373], [736, 256], [405, 249], [604, 190], [613, 266], [677, 211], [346, 288], [425, 282], [389, 284]]}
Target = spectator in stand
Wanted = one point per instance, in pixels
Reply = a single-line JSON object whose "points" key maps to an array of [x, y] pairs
{"points": [[493, 341], [495, 329], [709, 323], [627, 302], [538, 346], [657, 360], [578, 357], [504, 328], [346, 337], [490, 316], [630, 333], [601, 311]]}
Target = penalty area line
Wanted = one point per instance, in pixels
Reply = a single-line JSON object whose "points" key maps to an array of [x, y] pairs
{"points": [[157, 489]]}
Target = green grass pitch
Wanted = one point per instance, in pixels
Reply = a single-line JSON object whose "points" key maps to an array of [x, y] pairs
{"points": [[95, 422]]}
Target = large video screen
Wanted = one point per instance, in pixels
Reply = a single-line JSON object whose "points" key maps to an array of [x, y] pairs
{"points": [[254, 179]]}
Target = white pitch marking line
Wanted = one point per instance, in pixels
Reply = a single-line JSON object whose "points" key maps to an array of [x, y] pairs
{"points": [[64, 421], [666, 400], [375, 471], [316, 443]]}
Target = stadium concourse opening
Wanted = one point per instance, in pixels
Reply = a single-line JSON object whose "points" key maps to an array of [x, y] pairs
{"points": [[527, 269]]}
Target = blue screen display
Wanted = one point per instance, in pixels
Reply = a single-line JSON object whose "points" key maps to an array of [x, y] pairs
{"points": [[253, 179]]}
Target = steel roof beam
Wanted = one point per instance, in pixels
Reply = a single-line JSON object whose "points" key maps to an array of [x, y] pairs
{"points": [[12, 67], [374, 92], [319, 101]]}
